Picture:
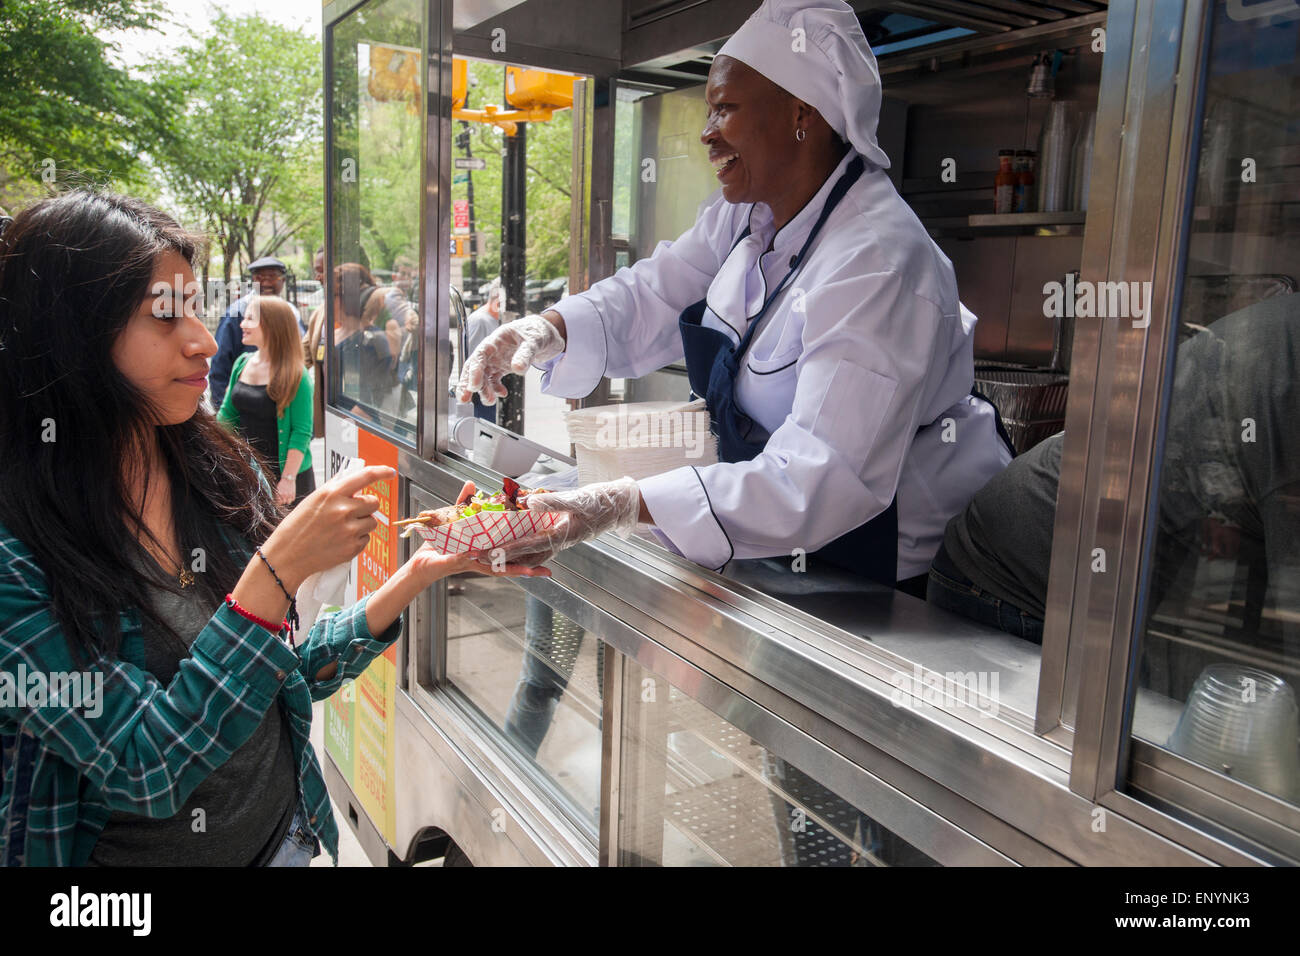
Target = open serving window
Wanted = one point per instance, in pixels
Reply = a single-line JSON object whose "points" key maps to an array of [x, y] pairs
{"points": [[638, 709]]}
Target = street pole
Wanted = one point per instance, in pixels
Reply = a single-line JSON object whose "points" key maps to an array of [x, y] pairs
{"points": [[510, 413], [469, 190]]}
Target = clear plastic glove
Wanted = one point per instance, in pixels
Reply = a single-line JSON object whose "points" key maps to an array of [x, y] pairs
{"points": [[511, 348], [584, 513]]}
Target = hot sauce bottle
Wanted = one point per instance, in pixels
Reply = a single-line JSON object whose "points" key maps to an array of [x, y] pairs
{"points": [[1004, 185], [1025, 193]]}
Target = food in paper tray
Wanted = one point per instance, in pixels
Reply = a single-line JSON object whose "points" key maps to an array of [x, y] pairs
{"points": [[482, 523]]}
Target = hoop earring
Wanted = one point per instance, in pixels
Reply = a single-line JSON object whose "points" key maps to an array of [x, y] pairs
{"points": [[800, 135]]}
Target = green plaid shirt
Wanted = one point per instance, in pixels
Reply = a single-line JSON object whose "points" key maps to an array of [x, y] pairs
{"points": [[138, 746]]}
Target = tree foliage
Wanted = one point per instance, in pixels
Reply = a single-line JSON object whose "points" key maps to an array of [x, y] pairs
{"points": [[246, 135], [65, 109], [549, 164]]}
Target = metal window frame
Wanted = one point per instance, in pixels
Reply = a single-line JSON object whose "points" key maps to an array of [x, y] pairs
{"points": [[1140, 234], [435, 350], [1144, 242], [332, 15], [1102, 459], [1062, 643]]}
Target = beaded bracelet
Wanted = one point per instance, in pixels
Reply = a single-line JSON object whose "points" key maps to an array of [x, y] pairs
{"points": [[243, 612], [292, 618]]}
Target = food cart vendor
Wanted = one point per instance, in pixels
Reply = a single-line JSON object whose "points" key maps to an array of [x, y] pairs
{"points": [[816, 317]]}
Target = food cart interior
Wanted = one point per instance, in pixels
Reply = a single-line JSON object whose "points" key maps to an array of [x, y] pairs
{"points": [[637, 709]]}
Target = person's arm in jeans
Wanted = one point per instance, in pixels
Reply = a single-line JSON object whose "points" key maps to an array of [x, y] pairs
{"points": [[228, 347]]}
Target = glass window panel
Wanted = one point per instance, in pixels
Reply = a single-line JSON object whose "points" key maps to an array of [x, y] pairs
{"points": [[698, 791], [1219, 667], [536, 676], [484, 202], [375, 172], [628, 166]]}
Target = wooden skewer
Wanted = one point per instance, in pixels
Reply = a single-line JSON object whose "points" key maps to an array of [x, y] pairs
{"points": [[406, 521]]}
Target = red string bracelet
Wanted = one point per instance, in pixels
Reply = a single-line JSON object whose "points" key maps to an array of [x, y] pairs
{"points": [[276, 629]]}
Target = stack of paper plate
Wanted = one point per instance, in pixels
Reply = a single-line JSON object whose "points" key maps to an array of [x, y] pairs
{"points": [[640, 439]]}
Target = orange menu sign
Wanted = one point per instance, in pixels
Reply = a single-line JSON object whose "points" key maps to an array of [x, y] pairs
{"points": [[375, 693], [378, 562]]}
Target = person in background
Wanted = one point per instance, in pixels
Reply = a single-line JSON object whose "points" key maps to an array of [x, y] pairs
{"points": [[203, 703], [406, 277], [481, 323], [993, 561], [362, 364], [1222, 497], [269, 400], [405, 281], [268, 279], [386, 309], [313, 348]]}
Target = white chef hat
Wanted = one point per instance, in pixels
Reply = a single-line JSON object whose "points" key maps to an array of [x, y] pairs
{"points": [[816, 50]]}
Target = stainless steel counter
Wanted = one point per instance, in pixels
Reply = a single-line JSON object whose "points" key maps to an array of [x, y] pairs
{"points": [[892, 703]]}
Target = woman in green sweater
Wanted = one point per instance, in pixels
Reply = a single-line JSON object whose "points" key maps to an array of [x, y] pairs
{"points": [[269, 401]]}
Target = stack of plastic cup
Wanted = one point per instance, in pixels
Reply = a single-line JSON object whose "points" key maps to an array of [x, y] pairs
{"points": [[640, 439], [1243, 722]]}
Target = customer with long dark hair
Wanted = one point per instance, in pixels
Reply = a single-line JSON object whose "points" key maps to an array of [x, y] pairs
{"points": [[270, 396], [142, 553]]}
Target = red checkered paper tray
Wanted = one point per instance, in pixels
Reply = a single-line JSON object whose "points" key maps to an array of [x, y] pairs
{"points": [[485, 530], [481, 523]]}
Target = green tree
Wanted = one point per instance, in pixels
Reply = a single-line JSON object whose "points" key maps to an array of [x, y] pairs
{"points": [[247, 137], [550, 166], [390, 209], [65, 109]]}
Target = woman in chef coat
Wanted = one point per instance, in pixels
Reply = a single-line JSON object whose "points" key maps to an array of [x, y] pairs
{"points": [[815, 315]]}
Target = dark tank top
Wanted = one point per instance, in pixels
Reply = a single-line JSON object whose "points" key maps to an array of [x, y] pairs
{"points": [[258, 422]]}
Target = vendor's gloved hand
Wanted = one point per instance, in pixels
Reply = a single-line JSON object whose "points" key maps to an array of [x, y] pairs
{"points": [[511, 348], [583, 513]]}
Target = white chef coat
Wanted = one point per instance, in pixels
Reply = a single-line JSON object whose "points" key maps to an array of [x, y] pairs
{"points": [[860, 373]]}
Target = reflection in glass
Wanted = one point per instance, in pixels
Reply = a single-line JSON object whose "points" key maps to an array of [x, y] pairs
{"points": [[375, 179], [1222, 637], [698, 791], [551, 647], [484, 208], [532, 673]]}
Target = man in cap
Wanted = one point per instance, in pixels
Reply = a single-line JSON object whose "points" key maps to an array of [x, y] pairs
{"points": [[268, 275], [816, 317]]}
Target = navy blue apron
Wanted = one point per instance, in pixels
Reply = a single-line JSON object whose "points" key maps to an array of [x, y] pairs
{"points": [[871, 549]]}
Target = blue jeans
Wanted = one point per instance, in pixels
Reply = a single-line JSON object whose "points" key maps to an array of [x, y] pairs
{"points": [[299, 845], [550, 653], [803, 840], [953, 591], [487, 413]]}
